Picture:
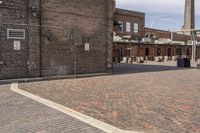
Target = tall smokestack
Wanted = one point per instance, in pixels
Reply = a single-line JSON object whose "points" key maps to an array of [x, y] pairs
{"points": [[189, 20]]}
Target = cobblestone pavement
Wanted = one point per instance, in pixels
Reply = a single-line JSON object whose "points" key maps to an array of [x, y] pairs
{"points": [[166, 101], [19, 114]]}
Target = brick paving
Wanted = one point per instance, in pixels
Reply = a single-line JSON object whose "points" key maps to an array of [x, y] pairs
{"points": [[162, 101], [19, 114]]}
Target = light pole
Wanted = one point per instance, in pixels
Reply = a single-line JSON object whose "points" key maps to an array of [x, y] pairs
{"points": [[193, 46]]}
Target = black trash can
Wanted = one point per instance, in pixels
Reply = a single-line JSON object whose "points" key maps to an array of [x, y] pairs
{"points": [[198, 66], [183, 62]]}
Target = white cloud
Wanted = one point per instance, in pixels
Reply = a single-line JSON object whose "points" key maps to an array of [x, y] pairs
{"points": [[164, 14], [156, 6]]}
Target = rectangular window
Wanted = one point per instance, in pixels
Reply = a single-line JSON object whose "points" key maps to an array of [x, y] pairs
{"points": [[146, 51], [169, 52], [136, 27], [179, 52], [188, 52], [158, 51], [121, 26], [15, 34], [128, 26]]}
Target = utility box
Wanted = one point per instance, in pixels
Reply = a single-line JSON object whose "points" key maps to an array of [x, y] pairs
{"points": [[183, 62], [198, 66]]}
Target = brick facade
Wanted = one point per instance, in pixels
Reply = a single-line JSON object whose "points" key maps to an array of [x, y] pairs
{"points": [[53, 30], [93, 19], [138, 50], [132, 17], [167, 34], [126, 48]]}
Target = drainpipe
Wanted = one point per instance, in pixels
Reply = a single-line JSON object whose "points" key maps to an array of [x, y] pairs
{"points": [[27, 36], [40, 24]]}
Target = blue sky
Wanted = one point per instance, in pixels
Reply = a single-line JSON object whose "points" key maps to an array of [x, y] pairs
{"points": [[161, 14]]}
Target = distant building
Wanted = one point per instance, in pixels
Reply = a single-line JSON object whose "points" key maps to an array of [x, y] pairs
{"points": [[130, 23], [155, 34], [53, 37], [132, 39]]}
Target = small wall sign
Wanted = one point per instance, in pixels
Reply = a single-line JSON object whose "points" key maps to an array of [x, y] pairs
{"points": [[87, 47], [17, 45]]}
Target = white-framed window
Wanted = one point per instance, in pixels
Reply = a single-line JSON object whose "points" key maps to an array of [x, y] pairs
{"points": [[128, 26], [15, 33], [136, 27], [121, 26]]}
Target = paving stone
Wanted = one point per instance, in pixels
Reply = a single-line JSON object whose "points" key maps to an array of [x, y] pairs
{"points": [[19, 114], [161, 99]]}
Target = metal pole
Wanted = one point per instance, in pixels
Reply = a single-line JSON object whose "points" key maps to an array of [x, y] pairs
{"points": [[195, 51], [193, 47], [172, 36], [192, 51]]}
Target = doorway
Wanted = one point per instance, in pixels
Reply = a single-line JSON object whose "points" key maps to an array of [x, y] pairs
{"points": [[146, 51], [179, 52], [169, 52], [158, 51]]}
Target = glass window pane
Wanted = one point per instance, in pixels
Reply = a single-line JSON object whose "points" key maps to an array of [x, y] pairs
{"points": [[120, 26], [136, 27], [128, 27]]}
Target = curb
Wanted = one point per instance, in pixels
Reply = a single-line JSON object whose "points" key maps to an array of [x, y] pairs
{"points": [[24, 80]]}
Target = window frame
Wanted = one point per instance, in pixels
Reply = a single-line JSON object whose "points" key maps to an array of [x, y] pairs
{"points": [[121, 24], [128, 22], [134, 27]]}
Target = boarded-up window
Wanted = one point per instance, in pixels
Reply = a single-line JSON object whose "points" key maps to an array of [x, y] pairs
{"points": [[77, 37]]}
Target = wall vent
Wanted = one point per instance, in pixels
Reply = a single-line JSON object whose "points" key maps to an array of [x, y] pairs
{"points": [[15, 34]]}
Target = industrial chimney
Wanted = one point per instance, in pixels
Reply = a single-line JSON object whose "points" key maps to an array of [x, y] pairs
{"points": [[189, 20]]}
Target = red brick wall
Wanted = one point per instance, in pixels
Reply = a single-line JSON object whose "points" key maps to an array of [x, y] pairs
{"points": [[48, 48], [167, 34], [93, 19], [138, 50], [130, 16]]}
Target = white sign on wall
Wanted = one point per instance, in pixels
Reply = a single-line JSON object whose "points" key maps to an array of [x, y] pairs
{"points": [[17, 45], [87, 47]]}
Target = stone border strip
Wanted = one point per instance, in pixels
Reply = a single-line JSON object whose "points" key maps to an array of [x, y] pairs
{"points": [[9, 81], [86, 119]]}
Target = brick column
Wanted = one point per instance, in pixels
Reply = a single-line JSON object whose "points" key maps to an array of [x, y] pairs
{"points": [[33, 36], [110, 16]]}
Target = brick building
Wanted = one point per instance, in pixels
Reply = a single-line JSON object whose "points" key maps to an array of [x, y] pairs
{"points": [[130, 23], [166, 34], [55, 37], [128, 40], [151, 51]]}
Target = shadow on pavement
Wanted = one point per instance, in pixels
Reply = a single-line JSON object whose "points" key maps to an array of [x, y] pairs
{"points": [[143, 68]]}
